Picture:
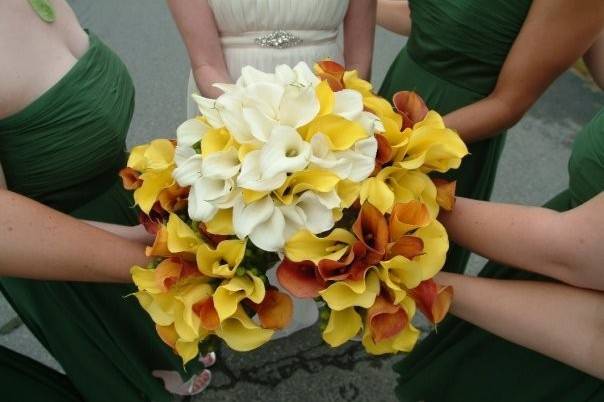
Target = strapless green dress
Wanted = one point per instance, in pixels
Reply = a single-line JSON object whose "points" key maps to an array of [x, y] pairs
{"points": [[463, 363], [452, 59], [65, 150]]}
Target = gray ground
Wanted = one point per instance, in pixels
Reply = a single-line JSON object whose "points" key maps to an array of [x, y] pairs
{"points": [[300, 368]]}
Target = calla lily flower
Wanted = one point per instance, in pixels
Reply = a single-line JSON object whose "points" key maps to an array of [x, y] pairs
{"points": [[241, 333], [164, 276], [181, 238], [228, 295], [331, 72], [445, 193], [223, 261], [432, 299], [411, 106], [380, 323], [304, 245], [342, 326], [276, 310], [433, 146], [344, 294], [301, 279]]}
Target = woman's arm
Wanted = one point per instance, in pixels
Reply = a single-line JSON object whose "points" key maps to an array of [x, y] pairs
{"points": [[359, 34], [540, 53], [195, 21], [566, 246], [395, 16], [559, 321], [38, 242], [135, 233], [594, 60]]}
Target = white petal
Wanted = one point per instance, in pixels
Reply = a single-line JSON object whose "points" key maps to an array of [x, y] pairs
{"points": [[260, 124], [190, 132], [199, 209], [250, 75], [251, 176], [285, 74], [318, 217], [247, 217], [231, 113], [370, 122], [299, 106], [329, 200], [265, 96], [212, 189], [294, 219], [324, 158], [226, 88], [221, 165], [207, 107], [348, 104], [182, 154], [305, 76], [285, 152], [189, 171], [268, 236]]}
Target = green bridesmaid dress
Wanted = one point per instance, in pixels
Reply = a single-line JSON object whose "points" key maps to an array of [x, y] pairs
{"points": [[65, 150], [452, 59], [463, 363]]}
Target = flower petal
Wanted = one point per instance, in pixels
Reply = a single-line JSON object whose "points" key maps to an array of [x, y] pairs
{"points": [[342, 326], [300, 278]]}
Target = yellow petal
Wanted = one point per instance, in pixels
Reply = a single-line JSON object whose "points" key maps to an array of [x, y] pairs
{"points": [[187, 350], [153, 183], [326, 98], [241, 333], [215, 140], [340, 132], [187, 322], [137, 160], [159, 307], [436, 245], [320, 181], [159, 155], [377, 193], [342, 326], [353, 81], [223, 261], [400, 271], [181, 238], [403, 342], [231, 292], [221, 223], [306, 246], [344, 294], [348, 191]]}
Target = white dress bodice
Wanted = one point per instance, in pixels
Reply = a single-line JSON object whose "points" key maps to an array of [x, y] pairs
{"points": [[314, 22]]}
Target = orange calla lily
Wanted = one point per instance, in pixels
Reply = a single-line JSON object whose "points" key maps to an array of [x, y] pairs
{"points": [[445, 193], [173, 198], [331, 72], [130, 178], [411, 106], [407, 246], [301, 279], [384, 151], [432, 299], [385, 319], [372, 230], [408, 216], [276, 310], [352, 266], [207, 314], [160, 244]]}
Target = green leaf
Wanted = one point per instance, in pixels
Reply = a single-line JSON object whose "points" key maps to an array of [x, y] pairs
{"points": [[43, 9]]}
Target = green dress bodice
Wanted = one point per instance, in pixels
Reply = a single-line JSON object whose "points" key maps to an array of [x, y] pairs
{"points": [[65, 150]]}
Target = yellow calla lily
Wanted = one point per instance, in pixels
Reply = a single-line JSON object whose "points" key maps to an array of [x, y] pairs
{"points": [[232, 291], [347, 293], [353, 81], [160, 307], [348, 191], [156, 280], [157, 155], [221, 223], [320, 181], [342, 326], [399, 273], [187, 350], [404, 341], [241, 333], [181, 238], [187, 322], [432, 146], [326, 98], [436, 245], [223, 261], [153, 183], [341, 133], [377, 193], [216, 140], [306, 246]]}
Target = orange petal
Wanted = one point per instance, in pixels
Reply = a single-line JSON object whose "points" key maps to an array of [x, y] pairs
{"points": [[173, 198], [331, 72], [372, 229], [212, 238], [406, 217], [276, 310], [407, 246], [445, 193], [167, 273], [207, 314], [384, 151], [385, 319], [160, 244], [411, 106], [432, 299], [130, 178], [301, 279]]}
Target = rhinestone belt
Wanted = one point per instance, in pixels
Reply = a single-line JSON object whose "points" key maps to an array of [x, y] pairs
{"points": [[278, 40]]}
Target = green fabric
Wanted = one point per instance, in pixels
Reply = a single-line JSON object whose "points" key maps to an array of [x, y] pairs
{"points": [[65, 150], [464, 363], [452, 59]]}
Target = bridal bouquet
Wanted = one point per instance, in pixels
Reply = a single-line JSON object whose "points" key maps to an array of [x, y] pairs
{"points": [[310, 170]]}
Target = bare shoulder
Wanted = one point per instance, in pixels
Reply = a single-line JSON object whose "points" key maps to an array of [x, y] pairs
{"points": [[35, 54]]}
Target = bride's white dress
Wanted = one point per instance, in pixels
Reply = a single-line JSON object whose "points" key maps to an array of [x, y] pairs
{"points": [[267, 33]]}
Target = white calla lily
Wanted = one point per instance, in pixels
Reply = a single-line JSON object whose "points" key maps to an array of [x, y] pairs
{"points": [[207, 107], [247, 217], [319, 218], [251, 176], [222, 164], [269, 235], [285, 152], [191, 132], [183, 154], [305, 76], [188, 171], [348, 104]]}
